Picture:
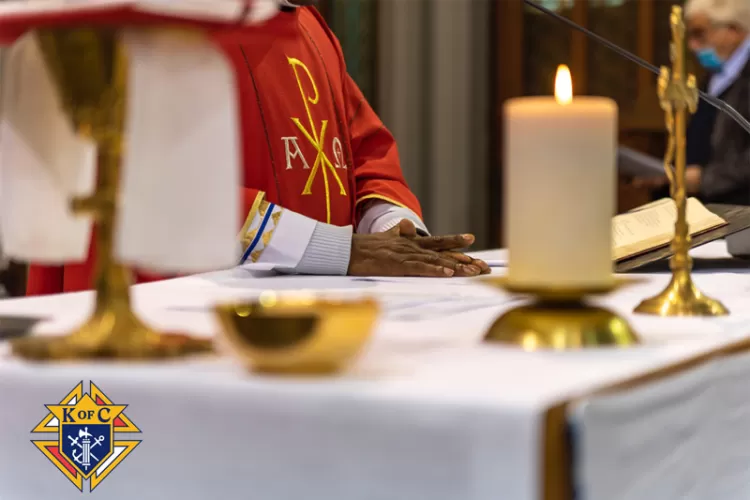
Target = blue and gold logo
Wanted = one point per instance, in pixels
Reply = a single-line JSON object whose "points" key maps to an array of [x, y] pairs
{"points": [[88, 427]]}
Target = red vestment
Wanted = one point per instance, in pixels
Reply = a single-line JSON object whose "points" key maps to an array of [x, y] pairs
{"points": [[311, 142]]}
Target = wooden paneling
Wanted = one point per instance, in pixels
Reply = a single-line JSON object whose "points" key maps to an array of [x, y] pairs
{"points": [[579, 48], [529, 47], [509, 83]]}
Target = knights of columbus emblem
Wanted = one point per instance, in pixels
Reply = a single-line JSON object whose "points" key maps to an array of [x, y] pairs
{"points": [[89, 443]]}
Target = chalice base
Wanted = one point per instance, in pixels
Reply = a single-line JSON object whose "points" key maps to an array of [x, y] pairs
{"points": [[681, 298], [112, 335], [561, 325]]}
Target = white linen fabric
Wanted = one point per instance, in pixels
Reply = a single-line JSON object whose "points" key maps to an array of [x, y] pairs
{"points": [[43, 164], [173, 193], [428, 411]]}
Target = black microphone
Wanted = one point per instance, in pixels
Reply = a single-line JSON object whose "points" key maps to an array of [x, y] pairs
{"points": [[713, 101]]}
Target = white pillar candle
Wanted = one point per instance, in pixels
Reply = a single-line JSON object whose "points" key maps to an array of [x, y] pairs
{"points": [[560, 187]]}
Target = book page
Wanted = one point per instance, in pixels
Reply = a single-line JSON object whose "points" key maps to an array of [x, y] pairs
{"points": [[652, 226]]}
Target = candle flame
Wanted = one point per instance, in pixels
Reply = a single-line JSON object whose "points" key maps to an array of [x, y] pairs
{"points": [[563, 85]]}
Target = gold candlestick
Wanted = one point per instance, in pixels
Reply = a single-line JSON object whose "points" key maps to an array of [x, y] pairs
{"points": [[89, 69], [678, 95], [560, 319]]}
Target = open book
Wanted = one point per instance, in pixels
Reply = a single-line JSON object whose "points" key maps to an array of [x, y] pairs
{"points": [[652, 226]]}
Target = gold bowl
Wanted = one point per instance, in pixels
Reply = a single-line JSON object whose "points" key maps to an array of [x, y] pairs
{"points": [[297, 335]]}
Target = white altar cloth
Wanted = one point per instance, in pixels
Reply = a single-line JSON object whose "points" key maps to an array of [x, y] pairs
{"points": [[428, 412]]}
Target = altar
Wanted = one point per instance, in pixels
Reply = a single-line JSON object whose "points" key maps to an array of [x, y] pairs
{"points": [[428, 411]]}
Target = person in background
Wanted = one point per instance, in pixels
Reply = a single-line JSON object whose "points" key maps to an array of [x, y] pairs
{"points": [[323, 191], [718, 150]]}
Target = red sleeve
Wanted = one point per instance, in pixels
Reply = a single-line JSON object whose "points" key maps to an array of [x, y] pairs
{"points": [[44, 280], [377, 168]]}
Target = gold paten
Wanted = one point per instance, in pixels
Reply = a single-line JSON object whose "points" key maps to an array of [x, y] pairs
{"points": [[297, 335], [89, 70], [679, 96], [560, 319]]}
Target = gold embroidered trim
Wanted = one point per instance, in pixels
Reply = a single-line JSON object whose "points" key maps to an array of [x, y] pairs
{"points": [[259, 198], [381, 197]]}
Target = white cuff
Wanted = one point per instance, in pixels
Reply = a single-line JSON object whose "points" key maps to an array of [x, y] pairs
{"points": [[328, 252], [278, 239], [276, 236], [382, 216]]}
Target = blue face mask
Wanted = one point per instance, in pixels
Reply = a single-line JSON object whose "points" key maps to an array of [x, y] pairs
{"points": [[709, 59]]}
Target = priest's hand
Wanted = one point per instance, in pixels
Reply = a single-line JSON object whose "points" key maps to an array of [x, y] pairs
{"points": [[399, 252], [443, 244]]}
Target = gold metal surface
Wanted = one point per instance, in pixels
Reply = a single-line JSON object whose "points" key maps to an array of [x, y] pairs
{"points": [[89, 69], [297, 335], [559, 293], [678, 95], [560, 319], [561, 325]]}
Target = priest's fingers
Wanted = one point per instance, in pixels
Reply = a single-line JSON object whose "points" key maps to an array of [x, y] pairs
{"points": [[458, 257], [424, 270], [451, 242], [432, 258], [407, 229], [484, 268], [481, 266]]}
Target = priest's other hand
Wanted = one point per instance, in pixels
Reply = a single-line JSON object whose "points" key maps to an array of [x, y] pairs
{"points": [[693, 176], [399, 252], [655, 182]]}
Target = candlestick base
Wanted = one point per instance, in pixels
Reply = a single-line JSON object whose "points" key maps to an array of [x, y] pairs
{"points": [[561, 326], [681, 298], [113, 333], [560, 319]]}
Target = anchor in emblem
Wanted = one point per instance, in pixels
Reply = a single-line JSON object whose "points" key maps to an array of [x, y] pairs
{"points": [[85, 455]]}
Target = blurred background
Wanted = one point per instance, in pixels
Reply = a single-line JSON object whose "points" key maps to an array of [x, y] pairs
{"points": [[438, 72]]}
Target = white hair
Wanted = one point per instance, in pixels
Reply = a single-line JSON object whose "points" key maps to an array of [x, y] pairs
{"points": [[736, 12]]}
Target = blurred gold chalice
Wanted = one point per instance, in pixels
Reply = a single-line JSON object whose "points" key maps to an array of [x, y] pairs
{"points": [[297, 335], [89, 69]]}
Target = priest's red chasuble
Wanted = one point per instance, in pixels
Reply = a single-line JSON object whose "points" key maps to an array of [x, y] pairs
{"points": [[311, 142]]}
